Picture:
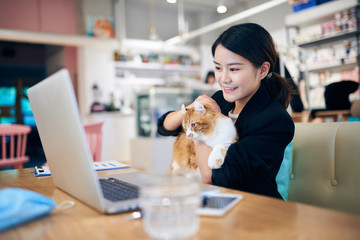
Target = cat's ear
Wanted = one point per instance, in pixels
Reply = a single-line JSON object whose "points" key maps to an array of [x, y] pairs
{"points": [[183, 109], [199, 107]]}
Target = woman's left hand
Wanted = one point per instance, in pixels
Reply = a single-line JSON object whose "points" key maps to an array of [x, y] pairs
{"points": [[202, 156]]}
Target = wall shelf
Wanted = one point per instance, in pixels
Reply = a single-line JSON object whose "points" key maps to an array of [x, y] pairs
{"points": [[137, 80], [57, 39], [321, 38], [311, 15], [328, 39], [157, 67], [334, 66]]}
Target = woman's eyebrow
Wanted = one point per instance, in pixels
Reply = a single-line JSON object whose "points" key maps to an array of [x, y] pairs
{"points": [[230, 64]]}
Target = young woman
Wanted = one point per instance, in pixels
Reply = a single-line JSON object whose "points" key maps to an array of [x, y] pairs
{"points": [[256, 99], [210, 77]]}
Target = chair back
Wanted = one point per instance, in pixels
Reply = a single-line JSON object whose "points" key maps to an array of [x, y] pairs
{"points": [[325, 165], [13, 138], [94, 135], [355, 109]]}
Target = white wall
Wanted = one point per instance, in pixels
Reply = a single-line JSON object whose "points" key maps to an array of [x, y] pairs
{"points": [[96, 65], [272, 20], [96, 7]]}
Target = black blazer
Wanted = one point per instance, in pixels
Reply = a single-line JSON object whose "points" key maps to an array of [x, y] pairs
{"points": [[265, 129]]}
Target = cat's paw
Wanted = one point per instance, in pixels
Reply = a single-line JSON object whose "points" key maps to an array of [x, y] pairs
{"points": [[217, 156]]}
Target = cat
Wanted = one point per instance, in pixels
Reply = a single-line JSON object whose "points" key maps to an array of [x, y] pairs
{"points": [[202, 123]]}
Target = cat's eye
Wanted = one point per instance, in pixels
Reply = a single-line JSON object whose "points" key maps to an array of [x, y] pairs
{"points": [[193, 125]]}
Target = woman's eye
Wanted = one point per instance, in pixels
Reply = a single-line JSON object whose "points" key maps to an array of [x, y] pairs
{"points": [[217, 68], [233, 69]]}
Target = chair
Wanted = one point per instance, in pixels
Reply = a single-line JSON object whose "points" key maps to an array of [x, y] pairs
{"points": [[325, 165], [94, 135], [13, 136], [355, 109], [335, 115]]}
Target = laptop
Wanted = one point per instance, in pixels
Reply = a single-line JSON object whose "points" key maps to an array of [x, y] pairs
{"points": [[62, 135]]}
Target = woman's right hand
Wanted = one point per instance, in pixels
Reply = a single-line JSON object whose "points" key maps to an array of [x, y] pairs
{"points": [[203, 99], [174, 119]]}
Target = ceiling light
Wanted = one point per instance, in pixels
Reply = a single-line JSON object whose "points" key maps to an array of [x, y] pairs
{"points": [[221, 9], [171, 1]]}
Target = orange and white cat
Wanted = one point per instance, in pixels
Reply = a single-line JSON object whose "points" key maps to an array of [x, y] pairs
{"points": [[202, 123]]}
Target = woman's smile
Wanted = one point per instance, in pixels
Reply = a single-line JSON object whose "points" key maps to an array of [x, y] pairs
{"points": [[229, 89]]}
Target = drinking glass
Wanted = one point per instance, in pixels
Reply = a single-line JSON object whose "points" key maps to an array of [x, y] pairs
{"points": [[169, 205]]}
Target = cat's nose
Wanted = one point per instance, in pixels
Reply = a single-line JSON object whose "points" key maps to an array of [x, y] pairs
{"points": [[189, 135]]}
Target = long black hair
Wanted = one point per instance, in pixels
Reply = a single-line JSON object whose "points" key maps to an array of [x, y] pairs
{"points": [[254, 43]]}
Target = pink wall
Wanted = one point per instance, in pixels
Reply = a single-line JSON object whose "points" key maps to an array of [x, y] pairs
{"points": [[19, 14], [70, 62], [57, 16], [52, 16]]}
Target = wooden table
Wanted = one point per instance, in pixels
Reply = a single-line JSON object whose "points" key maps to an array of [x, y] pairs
{"points": [[301, 116], [255, 217], [335, 115]]}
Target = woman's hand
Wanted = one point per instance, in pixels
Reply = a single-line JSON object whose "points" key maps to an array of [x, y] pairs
{"points": [[203, 99], [202, 155], [174, 119]]}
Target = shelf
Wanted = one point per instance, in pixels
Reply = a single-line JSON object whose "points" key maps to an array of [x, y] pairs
{"points": [[337, 65], [314, 21], [57, 39], [328, 39], [157, 67], [313, 14], [142, 81]]}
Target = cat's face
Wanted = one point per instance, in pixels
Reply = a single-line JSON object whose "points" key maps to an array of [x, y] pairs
{"points": [[198, 123]]}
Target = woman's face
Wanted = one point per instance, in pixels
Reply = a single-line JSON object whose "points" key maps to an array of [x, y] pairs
{"points": [[211, 80], [237, 76]]}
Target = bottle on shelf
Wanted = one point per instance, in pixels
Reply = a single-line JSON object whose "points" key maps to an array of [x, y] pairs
{"points": [[97, 106], [111, 107]]}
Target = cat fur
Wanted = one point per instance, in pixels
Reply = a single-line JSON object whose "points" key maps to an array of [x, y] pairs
{"points": [[213, 128]]}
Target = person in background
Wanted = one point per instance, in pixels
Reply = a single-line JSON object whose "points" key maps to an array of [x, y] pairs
{"points": [[256, 98], [210, 77], [336, 96], [295, 103]]}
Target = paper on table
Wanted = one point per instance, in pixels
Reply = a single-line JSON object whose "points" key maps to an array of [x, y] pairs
{"points": [[98, 166]]}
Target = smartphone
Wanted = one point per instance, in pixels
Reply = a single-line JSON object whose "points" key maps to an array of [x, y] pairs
{"points": [[218, 204]]}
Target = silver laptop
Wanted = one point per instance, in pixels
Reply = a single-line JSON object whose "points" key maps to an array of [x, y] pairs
{"points": [[62, 135]]}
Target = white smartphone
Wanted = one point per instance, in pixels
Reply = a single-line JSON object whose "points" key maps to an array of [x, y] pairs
{"points": [[218, 204]]}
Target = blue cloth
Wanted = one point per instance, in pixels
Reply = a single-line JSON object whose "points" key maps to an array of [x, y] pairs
{"points": [[353, 119], [18, 206], [283, 176]]}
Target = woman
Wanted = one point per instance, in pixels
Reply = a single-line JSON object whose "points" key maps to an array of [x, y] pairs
{"points": [[210, 77], [256, 98]]}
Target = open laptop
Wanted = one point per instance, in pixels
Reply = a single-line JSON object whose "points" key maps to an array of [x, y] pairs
{"points": [[62, 135]]}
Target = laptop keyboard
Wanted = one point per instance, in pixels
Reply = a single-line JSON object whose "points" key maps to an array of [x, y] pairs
{"points": [[117, 190]]}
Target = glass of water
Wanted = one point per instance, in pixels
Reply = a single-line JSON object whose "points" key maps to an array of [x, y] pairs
{"points": [[169, 204]]}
